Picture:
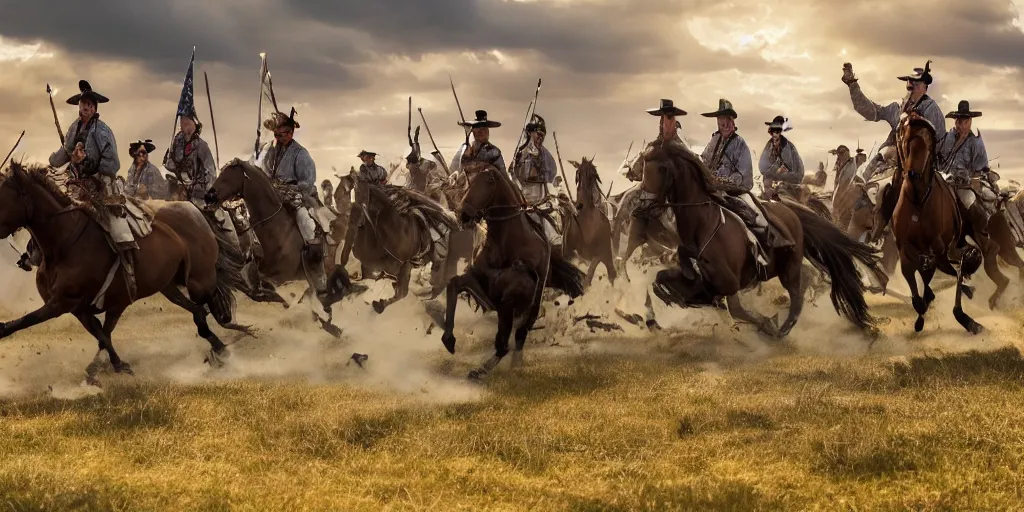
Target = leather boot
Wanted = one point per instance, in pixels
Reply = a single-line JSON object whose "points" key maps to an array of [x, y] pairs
{"points": [[979, 219], [127, 256], [313, 261]]}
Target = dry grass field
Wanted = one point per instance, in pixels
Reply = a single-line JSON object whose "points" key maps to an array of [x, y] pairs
{"points": [[701, 416]]}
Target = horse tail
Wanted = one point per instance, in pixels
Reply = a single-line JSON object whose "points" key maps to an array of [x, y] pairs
{"points": [[230, 261], [834, 252], [565, 276], [820, 208]]}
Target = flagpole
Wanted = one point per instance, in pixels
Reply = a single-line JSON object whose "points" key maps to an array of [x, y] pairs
{"points": [[174, 125], [259, 110], [213, 124]]}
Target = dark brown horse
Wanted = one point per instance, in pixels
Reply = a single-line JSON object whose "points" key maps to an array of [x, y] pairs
{"points": [[277, 233], [928, 222], [514, 266], [395, 235], [79, 272], [588, 234], [716, 256], [647, 223], [462, 242]]}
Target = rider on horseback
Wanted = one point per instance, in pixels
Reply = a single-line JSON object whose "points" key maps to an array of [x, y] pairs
{"points": [[144, 179], [846, 170], [780, 162], [293, 173], [964, 159], [425, 176], [369, 174], [916, 102], [534, 170], [91, 150], [728, 158], [481, 150]]}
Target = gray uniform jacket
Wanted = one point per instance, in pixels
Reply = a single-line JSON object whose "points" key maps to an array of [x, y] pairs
{"points": [[771, 162], [150, 176], [962, 159], [293, 166], [735, 163], [547, 168], [192, 161], [926, 108], [100, 148], [373, 174], [487, 153]]}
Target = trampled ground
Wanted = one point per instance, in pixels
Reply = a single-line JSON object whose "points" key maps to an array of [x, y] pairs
{"points": [[699, 417]]}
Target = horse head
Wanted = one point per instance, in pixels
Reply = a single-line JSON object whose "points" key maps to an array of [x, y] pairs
{"points": [[489, 195], [915, 144], [26, 194], [588, 184]]}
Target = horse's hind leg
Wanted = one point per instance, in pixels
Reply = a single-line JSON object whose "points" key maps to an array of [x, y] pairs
{"points": [[793, 280], [964, 319], [401, 289], [910, 275], [590, 273], [739, 313], [217, 347], [992, 269], [93, 325], [506, 318]]}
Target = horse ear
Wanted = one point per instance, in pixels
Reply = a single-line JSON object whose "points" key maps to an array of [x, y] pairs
{"points": [[575, 163]]}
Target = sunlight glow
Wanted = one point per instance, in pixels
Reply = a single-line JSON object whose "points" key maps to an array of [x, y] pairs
{"points": [[11, 51]]}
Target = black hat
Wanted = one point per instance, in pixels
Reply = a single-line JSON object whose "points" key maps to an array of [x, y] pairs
{"points": [[667, 108], [537, 124], [278, 119], [963, 111], [133, 148], [920, 75], [779, 123], [86, 92], [366, 153], [724, 109], [481, 121], [841, 148]]}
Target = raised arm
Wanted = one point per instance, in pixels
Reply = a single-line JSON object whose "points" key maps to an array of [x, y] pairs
{"points": [[870, 110]]}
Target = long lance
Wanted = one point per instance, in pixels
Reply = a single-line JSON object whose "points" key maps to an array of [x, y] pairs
{"points": [[408, 129], [259, 110], [530, 110], [462, 116], [554, 135], [213, 124], [56, 121], [440, 157], [11, 152]]}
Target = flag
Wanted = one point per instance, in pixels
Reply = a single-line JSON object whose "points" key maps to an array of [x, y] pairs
{"points": [[186, 105]]}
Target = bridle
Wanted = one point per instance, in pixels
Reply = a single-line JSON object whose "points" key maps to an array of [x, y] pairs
{"points": [[658, 200], [29, 209], [254, 225], [485, 212], [902, 157]]}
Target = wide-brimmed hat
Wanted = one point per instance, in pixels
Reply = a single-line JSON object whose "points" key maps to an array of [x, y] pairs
{"points": [[133, 148], [724, 109], [481, 121], [963, 111], [537, 124], [667, 108], [279, 119], [779, 123], [366, 153], [920, 75], [841, 148], [86, 92]]}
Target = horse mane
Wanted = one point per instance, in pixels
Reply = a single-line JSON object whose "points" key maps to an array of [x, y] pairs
{"points": [[250, 168], [680, 154], [586, 168], [40, 174], [407, 201]]}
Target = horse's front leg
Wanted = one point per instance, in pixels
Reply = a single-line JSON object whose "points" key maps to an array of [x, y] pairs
{"points": [[401, 288], [908, 266], [469, 283], [49, 311], [506, 318], [964, 319]]}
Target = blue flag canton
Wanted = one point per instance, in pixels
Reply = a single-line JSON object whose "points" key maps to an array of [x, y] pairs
{"points": [[186, 105]]}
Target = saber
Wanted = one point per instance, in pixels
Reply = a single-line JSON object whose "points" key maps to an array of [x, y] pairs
{"points": [[440, 157], [213, 124], [14, 148], [554, 135]]}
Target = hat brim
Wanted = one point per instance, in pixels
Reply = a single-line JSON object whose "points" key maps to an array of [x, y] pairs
{"points": [[956, 114], [365, 153], [133, 150], [727, 112], [94, 96], [926, 80], [674, 111], [485, 124], [536, 128]]}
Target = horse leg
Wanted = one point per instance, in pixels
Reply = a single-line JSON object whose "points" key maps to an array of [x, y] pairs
{"points": [[651, 321], [636, 239], [401, 289], [590, 273], [608, 260], [909, 274], [199, 314], [793, 281], [506, 317], [964, 319], [763, 323], [991, 248], [49, 311], [96, 329], [522, 331], [469, 283]]}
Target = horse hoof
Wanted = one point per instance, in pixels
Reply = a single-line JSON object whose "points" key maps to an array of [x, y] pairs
{"points": [[992, 303], [477, 375], [123, 367], [216, 360], [919, 324], [92, 380], [975, 328], [378, 306], [517, 359], [652, 325], [968, 292], [449, 341]]}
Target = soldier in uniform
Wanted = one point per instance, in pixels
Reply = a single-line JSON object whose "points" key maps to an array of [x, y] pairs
{"points": [[780, 161], [535, 170], [144, 179], [369, 171], [964, 160], [846, 171], [728, 158], [916, 102], [425, 176], [481, 149], [370, 174], [91, 150]]}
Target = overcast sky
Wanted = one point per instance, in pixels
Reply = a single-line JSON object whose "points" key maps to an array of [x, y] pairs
{"points": [[348, 67]]}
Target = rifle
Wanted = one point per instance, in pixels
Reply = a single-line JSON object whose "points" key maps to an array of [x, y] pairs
{"points": [[56, 121], [437, 151]]}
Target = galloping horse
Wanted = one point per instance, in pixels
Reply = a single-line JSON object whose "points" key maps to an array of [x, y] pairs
{"points": [[646, 224], [80, 273], [395, 236], [715, 253], [928, 221], [588, 234], [277, 233], [514, 266]]}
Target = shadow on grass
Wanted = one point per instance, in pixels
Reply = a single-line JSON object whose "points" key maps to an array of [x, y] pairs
{"points": [[1002, 366], [722, 495], [579, 377]]}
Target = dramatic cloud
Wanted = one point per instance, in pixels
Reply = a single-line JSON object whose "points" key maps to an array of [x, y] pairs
{"points": [[348, 67]]}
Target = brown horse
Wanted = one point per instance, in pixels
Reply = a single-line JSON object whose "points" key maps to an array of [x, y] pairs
{"points": [[514, 266], [277, 233], [79, 272], [395, 235], [928, 222], [588, 233], [647, 222], [715, 253], [462, 242]]}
